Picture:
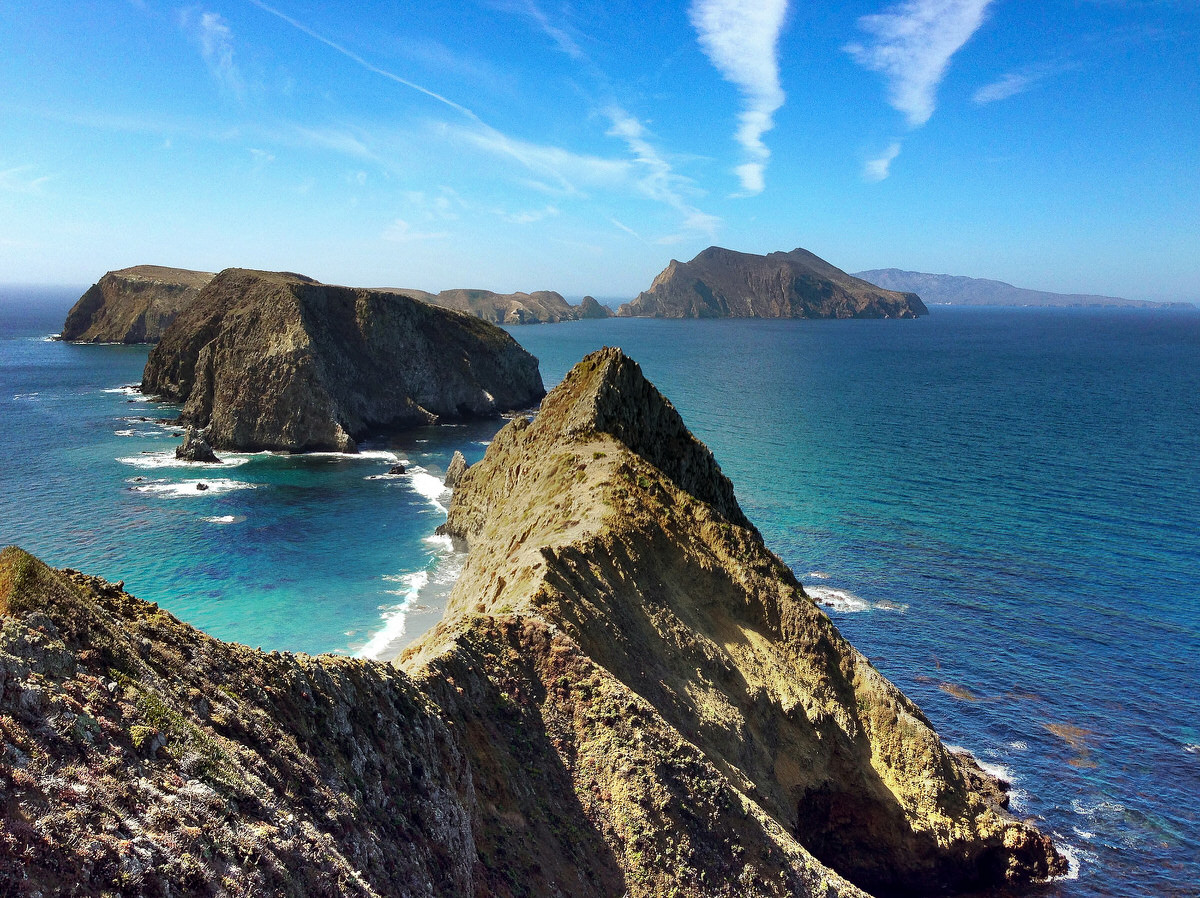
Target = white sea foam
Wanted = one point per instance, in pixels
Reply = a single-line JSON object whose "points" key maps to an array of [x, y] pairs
{"points": [[1075, 856], [26, 397], [364, 455], [431, 488], [166, 459], [1083, 833], [132, 391], [837, 599], [419, 591], [1192, 748], [1019, 746], [226, 519], [186, 488], [997, 771], [816, 575]]}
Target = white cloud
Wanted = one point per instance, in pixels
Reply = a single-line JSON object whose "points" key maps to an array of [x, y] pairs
{"points": [[533, 12], [880, 167], [400, 231], [261, 157], [530, 216], [1013, 83], [912, 46], [215, 41], [19, 180], [741, 40]]}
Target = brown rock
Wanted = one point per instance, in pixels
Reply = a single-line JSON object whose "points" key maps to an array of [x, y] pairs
{"points": [[133, 305]]}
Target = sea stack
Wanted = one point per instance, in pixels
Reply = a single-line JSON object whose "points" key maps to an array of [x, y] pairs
{"points": [[196, 448], [721, 283], [278, 361], [456, 469], [133, 305]]}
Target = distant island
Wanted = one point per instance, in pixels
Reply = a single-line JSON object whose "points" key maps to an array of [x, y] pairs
{"points": [[955, 290], [136, 305], [133, 305], [722, 283]]}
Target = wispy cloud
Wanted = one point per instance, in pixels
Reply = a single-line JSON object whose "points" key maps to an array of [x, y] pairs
{"points": [[654, 177], [881, 166], [400, 231], [530, 216], [354, 57], [21, 180], [912, 44], [1013, 83], [741, 40], [531, 11], [215, 40]]}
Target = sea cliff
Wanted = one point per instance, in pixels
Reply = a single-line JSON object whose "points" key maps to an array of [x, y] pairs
{"points": [[628, 695], [133, 305], [721, 283], [273, 360]]}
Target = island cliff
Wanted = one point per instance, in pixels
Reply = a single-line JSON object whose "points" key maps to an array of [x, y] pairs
{"points": [[272, 360], [539, 307], [721, 283], [628, 695], [133, 305]]}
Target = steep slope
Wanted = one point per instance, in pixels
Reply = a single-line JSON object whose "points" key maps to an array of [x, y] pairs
{"points": [[272, 360], [590, 307], [608, 523], [133, 305], [947, 289], [721, 283]]}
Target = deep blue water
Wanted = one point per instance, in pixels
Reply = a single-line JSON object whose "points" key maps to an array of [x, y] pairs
{"points": [[1001, 506]]}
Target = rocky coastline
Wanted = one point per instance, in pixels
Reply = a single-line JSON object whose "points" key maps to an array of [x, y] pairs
{"points": [[132, 305], [628, 695]]}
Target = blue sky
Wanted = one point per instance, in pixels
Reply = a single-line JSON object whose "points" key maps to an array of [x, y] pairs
{"points": [[579, 146]]}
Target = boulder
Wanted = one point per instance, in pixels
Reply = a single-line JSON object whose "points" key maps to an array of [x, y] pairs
{"points": [[196, 448]]}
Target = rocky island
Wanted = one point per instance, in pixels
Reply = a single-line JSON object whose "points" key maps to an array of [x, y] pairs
{"points": [[273, 360], [628, 695], [955, 290], [721, 283], [133, 305], [539, 307]]}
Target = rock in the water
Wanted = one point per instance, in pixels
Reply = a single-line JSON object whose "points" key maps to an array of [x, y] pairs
{"points": [[133, 305], [456, 469], [202, 486], [591, 308], [397, 469], [272, 360], [721, 283], [196, 448]]}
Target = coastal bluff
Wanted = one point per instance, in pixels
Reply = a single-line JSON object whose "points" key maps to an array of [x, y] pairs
{"points": [[132, 305], [277, 361], [629, 695], [722, 283]]}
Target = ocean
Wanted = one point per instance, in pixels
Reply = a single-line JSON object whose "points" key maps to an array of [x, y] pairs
{"points": [[1000, 507]]}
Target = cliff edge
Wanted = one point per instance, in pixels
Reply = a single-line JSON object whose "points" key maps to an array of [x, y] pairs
{"points": [[133, 305], [607, 522], [272, 360], [721, 283]]}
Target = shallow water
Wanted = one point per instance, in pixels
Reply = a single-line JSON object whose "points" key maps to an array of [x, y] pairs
{"points": [[999, 507]]}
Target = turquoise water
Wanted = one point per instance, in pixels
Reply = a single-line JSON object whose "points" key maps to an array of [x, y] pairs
{"points": [[1000, 508]]}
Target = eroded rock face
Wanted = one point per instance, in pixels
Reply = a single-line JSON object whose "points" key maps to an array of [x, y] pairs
{"points": [[538, 307], [721, 283], [133, 305], [196, 448], [455, 470], [267, 360], [606, 520]]}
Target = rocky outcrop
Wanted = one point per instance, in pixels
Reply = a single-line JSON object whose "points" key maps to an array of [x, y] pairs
{"points": [[272, 360], [539, 307], [196, 448], [954, 290], [629, 696], [455, 471], [606, 522], [133, 305], [721, 283], [591, 308]]}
